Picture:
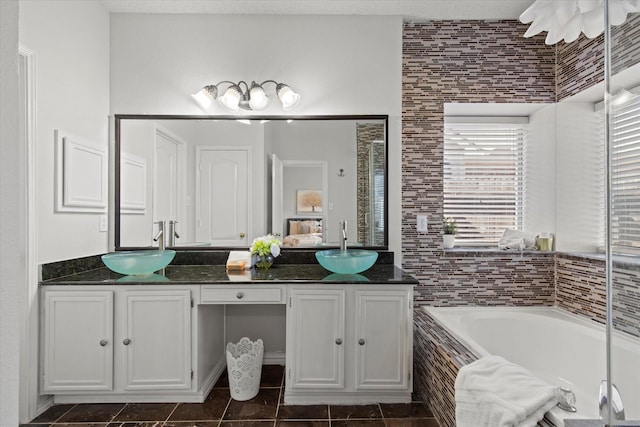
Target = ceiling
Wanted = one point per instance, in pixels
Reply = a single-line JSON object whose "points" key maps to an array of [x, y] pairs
{"points": [[410, 10]]}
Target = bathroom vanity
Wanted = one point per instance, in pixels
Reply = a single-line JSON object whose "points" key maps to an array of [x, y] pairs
{"points": [[159, 338]]}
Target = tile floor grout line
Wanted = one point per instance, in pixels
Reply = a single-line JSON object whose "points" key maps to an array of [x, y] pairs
{"points": [[68, 410], [278, 403], [224, 412], [117, 413], [171, 413]]}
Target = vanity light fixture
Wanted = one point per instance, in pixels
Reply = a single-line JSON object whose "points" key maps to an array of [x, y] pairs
{"points": [[566, 19], [241, 95]]}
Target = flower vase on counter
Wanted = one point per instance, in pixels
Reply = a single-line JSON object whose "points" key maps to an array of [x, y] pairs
{"points": [[264, 250], [263, 261]]}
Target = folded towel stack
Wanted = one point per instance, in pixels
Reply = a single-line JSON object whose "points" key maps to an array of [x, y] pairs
{"points": [[516, 239], [238, 261], [493, 392]]}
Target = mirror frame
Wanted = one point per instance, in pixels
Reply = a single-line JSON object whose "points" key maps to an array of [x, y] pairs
{"points": [[117, 157]]}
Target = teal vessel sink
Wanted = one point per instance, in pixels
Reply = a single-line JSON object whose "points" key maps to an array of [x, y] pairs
{"points": [[138, 262], [351, 261]]}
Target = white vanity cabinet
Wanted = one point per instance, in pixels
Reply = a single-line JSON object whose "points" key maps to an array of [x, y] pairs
{"points": [[383, 334], [77, 341], [156, 339], [349, 344], [116, 339], [316, 338]]}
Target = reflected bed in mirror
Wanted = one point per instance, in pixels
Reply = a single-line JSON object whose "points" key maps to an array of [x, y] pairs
{"points": [[225, 180]]}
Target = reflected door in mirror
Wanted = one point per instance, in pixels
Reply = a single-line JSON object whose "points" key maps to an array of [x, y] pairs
{"points": [[222, 201]]}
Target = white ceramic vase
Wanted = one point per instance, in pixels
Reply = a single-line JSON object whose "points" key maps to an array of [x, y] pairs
{"points": [[448, 240]]}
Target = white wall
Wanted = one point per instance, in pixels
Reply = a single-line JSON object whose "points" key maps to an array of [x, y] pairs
{"points": [[12, 272], [339, 65], [579, 177], [71, 43], [540, 165]]}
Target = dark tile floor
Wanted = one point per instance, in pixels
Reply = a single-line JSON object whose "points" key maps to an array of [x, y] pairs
{"points": [[219, 410]]}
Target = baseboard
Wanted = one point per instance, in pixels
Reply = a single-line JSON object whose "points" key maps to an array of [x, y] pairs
{"points": [[274, 358], [159, 396], [344, 398]]}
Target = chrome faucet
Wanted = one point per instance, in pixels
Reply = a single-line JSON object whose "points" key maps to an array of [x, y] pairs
{"points": [[172, 234], [159, 237], [343, 235], [617, 408]]}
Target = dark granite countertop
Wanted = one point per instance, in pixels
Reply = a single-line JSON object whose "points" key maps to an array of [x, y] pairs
{"points": [[217, 274]]}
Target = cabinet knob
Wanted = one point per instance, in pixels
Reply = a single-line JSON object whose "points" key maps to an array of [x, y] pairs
{"points": [[242, 235], [126, 341], [338, 341], [361, 341], [239, 295], [103, 342]]}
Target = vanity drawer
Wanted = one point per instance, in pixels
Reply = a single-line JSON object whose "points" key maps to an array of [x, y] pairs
{"points": [[241, 295]]}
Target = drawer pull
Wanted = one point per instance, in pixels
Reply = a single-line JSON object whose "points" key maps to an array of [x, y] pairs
{"points": [[338, 341], [239, 295], [103, 342], [126, 341], [361, 341]]}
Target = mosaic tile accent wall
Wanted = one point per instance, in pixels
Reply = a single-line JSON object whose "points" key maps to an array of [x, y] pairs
{"points": [[487, 278], [581, 289], [464, 61], [580, 286], [581, 63]]}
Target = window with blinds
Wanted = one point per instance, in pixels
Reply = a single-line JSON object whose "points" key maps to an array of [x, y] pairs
{"points": [[625, 182], [484, 178]]}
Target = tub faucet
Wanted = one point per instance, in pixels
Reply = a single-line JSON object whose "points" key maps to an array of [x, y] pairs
{"points": [[617, 408], [159, 237], [566, 399], [343, 235], [172, 234]]}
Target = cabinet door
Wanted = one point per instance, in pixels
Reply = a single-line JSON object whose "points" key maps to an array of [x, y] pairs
{"points": [[157, 340], [78, 341], [316, 340], [383, 342]]}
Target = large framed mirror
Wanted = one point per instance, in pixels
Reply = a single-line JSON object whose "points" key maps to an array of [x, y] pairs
{"points": [[218, 182]]}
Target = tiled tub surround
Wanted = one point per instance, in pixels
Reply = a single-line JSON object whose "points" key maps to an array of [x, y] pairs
{"points": [[438, 357], [581, 289], [488, 277]]}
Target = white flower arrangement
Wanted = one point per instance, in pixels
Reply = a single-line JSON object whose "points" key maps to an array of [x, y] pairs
{"points": [[266, 245]]}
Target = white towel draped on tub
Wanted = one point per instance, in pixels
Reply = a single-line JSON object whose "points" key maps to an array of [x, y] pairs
{"points": [[493, 392]]}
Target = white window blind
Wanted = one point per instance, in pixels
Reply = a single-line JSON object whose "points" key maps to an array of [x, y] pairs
{"points": [[625, 182], [484, 179]]}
